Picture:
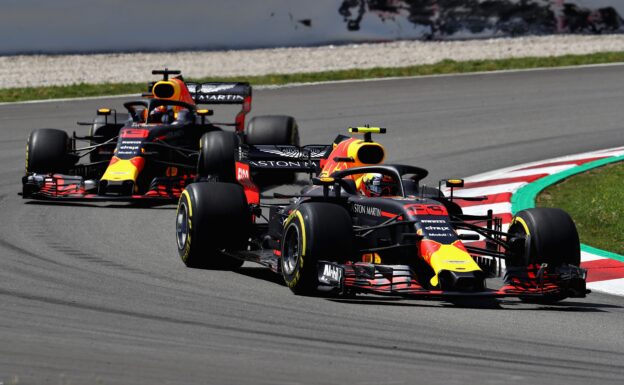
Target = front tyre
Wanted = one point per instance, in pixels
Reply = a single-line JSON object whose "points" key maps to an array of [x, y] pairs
{"points": [[551, 238], [312, 232], [212, 219], [47, 151]]}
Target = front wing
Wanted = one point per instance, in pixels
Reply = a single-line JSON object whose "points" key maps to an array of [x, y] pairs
{"points": [[71, 188], [536, 282]]}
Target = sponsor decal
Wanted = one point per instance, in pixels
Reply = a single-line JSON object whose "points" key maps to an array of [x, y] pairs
{"points": [[282, 163], [331, 274], [134, 133], [219, 98], [433, 221], [295, 152], [368, 210], [242, 173], [425, 209], [437, 228], [212, 88], [129, 147]]}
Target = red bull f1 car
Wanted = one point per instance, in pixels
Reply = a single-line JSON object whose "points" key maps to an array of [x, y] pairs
{"points": [[362, 226], [151, 152]]}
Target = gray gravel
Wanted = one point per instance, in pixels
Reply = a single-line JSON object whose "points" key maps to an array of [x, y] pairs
{"points": [[42, 70]]}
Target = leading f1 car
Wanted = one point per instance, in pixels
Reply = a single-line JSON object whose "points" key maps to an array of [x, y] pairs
{"points": [[367, 227], [152, 151]]}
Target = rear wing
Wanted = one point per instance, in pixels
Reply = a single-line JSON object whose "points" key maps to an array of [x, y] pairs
{"points": [[220, 93], [224, 93], [287, 157]]}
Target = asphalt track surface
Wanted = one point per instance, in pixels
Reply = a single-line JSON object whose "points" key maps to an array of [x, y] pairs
{"points": [[93, 295]]}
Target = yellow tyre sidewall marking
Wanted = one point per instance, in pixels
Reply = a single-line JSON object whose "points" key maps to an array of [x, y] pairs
{"points": [[297, 214], [27, 156], [523, 223], [189, 223]]}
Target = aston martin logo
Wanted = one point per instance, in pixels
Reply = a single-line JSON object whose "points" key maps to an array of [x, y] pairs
{"points": [[213, 88], [294, 152]]}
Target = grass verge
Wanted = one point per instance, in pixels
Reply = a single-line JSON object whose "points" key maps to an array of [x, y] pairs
{"points": [[443, 67], [595, 201]]}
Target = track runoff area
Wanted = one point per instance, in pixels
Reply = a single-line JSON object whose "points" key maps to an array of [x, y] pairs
{"points": [[512, 189]]}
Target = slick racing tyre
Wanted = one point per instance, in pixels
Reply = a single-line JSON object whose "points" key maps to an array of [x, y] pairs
{"points": [[217, 156], [105, 128], [274, 130], [552, 238], [47, 151], [312, 232], [212, 217]]}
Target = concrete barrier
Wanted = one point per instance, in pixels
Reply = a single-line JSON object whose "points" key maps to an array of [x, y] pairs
{"points": [[78, 26]]}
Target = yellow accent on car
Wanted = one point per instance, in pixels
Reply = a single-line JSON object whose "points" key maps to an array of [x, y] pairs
{"points": [[454, 182], [104, 111], [121, 170], [364, 130], [359, 148], [327, 179], [451, 258], [371, 258], [166, 89], [293, 215]]}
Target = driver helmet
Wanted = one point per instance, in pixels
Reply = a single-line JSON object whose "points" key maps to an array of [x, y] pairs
{"points": [[161, 114], [378, 185]]}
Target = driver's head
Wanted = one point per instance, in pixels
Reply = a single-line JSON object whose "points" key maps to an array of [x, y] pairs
{"points": [[161, 114], [378, 185]]}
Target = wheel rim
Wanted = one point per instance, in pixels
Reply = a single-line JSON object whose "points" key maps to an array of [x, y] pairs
{"points": [[292, 249], [516, 256], [182, 225]]}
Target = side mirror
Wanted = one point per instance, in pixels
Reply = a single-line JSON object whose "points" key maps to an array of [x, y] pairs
{"points": [[452, 183], [327, 182], [106, 112], [203, 113]]}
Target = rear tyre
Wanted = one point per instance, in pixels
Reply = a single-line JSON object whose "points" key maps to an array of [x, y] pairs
{"points": [[212, 218], [47, 151], [217, 156], [314, 231], [272, 129], [552, 238], [276, 130]]}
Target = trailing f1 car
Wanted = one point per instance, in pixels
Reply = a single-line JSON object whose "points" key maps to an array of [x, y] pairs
{"points": [[366, 227], [161, 144]]}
